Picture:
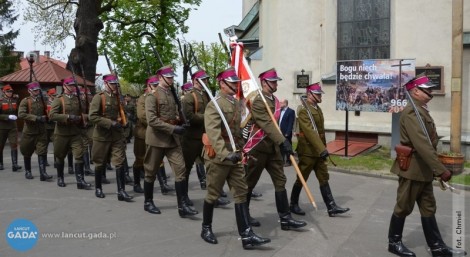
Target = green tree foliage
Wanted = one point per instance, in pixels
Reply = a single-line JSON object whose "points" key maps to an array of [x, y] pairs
{"points": [[7, 17]]}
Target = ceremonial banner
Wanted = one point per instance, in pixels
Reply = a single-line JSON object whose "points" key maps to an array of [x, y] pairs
{"points": [[372, 85]]}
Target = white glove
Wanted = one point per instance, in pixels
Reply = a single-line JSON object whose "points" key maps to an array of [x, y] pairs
{"points": [[12, 117]]}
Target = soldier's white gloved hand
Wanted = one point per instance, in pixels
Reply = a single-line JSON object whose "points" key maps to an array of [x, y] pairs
{"points": [[12, 117]]}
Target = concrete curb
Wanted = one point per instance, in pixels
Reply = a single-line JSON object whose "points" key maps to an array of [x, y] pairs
{"points": [[388, 176]]}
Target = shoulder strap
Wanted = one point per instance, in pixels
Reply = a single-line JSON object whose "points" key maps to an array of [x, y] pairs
{"points": [[29, 104], [63, 104], [195, 101]]}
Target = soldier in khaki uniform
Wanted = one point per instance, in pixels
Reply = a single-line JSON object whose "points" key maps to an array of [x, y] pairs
{"points": [[50, 125], [86, 130], [8, 128], [67, 112], [108, 137], [415, 183], [267, 151], [312, 152], [223, 162], [163, 138], [33, 110]]}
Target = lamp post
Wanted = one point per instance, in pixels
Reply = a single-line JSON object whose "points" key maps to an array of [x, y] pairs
{"points": [[30, 59]]}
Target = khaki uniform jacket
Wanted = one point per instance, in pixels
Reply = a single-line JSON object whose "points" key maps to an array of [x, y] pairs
{"points": [[424, 162], [262, 120], [196, 119], [311, 143], [103, 119], [161, 115], [141, 124], [8, 107], [31, 126], [216, 131], [50, 125], [59, 113]]}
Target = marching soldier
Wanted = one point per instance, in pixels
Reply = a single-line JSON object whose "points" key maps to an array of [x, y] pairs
{"points": [[312, 152], [130, 110], [194, 104], [67, 113], [108, 117], [33, 110], [87, 130], [415, 181], [267, 150], [50, 126], [223, 162], [163, 139], [8, 128]]}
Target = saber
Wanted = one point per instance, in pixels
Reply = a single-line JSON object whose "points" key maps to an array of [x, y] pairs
{"points": [[444, 186]]}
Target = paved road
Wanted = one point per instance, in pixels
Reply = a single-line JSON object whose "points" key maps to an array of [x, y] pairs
{"points": [[362, 232]]}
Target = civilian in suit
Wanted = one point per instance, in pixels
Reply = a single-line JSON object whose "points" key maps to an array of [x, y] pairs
{"points": [[286, 123]]}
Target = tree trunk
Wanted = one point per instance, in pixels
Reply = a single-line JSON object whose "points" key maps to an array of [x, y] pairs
{"points": [[87, 27]]}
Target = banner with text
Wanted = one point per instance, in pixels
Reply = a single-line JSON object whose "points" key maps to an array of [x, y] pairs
{"points": [[372, 85]]}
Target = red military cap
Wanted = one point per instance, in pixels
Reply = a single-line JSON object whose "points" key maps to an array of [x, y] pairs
{"points": [[166, 71], [153, 80], [33, 85], [110, 78], [187, 85], [200, 74], [315, 88], [269, 75], [7, 88], [422, 82], [68, 81], [51, 91], [228, 75]]}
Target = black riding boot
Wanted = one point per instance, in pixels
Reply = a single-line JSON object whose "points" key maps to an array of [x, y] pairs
{"points": [[121, 185], [70, 162], [27, 167], [86, 163], [108, 166], [221, 202], [333, 209], [188, 201], [1, 160], [126, 171], [80, 176], [14, 160], [249, 238], [98, 176], [161, 176], [434, 239], [103, 177], [42, 168], [395, 231], [201, 174], [282, 204], [294, 200], [252, 221], [137, 187], [206, 232], [183, 208], [60, 173], [149, 206]]}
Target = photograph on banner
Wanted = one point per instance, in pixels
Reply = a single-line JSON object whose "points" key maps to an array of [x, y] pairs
{"points": [[372, 85]]}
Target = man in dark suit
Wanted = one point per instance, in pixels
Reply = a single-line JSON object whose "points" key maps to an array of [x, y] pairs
{"points": [[286, 123]]}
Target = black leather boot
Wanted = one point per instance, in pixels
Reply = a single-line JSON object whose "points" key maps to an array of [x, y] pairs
{"points": [[206, 232], [333, 209], [201, 174], [161, 176], [186, 196], [121, 185], [126, 171], [86, 164], [255, 194], [221, 202], [137, 187], [14, 160], [1, 159], [252, 221], [149, 206], [282, 204], [60, 174], [98, 176], [27, 168], [42, 168], [108, 166], [249, 238], [184, 209], [294, 200], [434, 239], [103, 177], [70, 162], [395, 231], [80, 176]]}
